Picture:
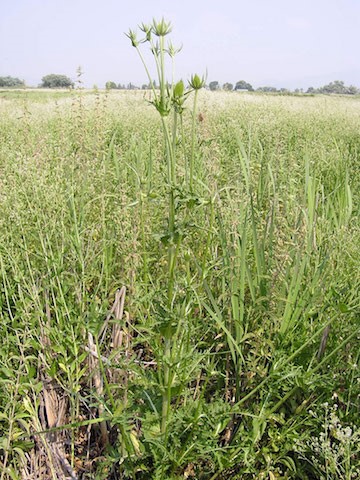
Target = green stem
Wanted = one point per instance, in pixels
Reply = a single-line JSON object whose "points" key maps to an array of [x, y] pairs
{"points": [[193, 138], [147, 71], [209, 235], [174, 130], [166, 395], [154, 50], [143, 241], [170, 145], [162, 73], [186, 171], [170, 177]]}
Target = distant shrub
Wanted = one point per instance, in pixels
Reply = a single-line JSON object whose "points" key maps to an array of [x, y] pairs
{"points": [[11, 82], [56, 81]]}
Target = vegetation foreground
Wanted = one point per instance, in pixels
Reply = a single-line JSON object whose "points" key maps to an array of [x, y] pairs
{"points": [[179, 310]]}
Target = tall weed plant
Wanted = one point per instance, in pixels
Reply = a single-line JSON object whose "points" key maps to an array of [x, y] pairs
{"points": [[179, 281]]}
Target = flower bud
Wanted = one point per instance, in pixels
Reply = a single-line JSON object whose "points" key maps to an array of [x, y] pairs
{"points": [[161, 28], [196, 82], [133, 39], [179, 89], [147, 30]]}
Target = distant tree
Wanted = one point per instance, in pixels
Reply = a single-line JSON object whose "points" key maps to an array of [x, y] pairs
{"points": [[214, 85], [242, 85], [336, 87], [228, 86], [110, 85], [131, 86], [339, 87], [56, 81], [120, 86], [352, 90], [11, 82], [284, 91]]}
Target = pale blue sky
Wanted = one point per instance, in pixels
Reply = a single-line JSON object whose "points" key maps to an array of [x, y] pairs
{"points": [[283, 43]]}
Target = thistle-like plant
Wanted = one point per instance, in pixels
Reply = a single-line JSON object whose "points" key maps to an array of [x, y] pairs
{"points": [[169, 102]]}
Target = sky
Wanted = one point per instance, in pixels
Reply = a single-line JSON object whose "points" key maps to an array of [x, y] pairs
{"points": [[281, 43]]}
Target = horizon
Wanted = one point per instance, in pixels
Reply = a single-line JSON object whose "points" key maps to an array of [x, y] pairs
{"points": [[133, 87], [277, 44]]}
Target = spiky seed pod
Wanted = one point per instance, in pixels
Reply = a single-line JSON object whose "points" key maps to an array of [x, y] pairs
{"points": [[196, 82], [161, 28]]}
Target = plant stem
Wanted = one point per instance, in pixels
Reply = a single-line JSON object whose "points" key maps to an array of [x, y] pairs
{"points": [[193, 137], [166, 395], [170, 176]]}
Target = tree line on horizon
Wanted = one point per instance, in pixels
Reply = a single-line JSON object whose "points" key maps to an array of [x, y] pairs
{"points": [[337, 86], [62, 81]]}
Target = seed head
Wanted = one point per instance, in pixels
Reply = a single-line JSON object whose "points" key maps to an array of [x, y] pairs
{"points": [[179, 89], [196, 82], [133, 39], [161, 28], [147, 30], [172, 51]]}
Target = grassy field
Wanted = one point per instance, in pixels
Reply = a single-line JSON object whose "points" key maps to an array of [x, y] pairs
{"points": [[183, 312]]}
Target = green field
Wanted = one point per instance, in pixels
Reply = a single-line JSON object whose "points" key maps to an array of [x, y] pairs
{"points": [[193, 319]]}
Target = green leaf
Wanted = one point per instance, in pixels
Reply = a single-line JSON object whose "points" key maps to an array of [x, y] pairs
{"points": [[343, 308]]}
